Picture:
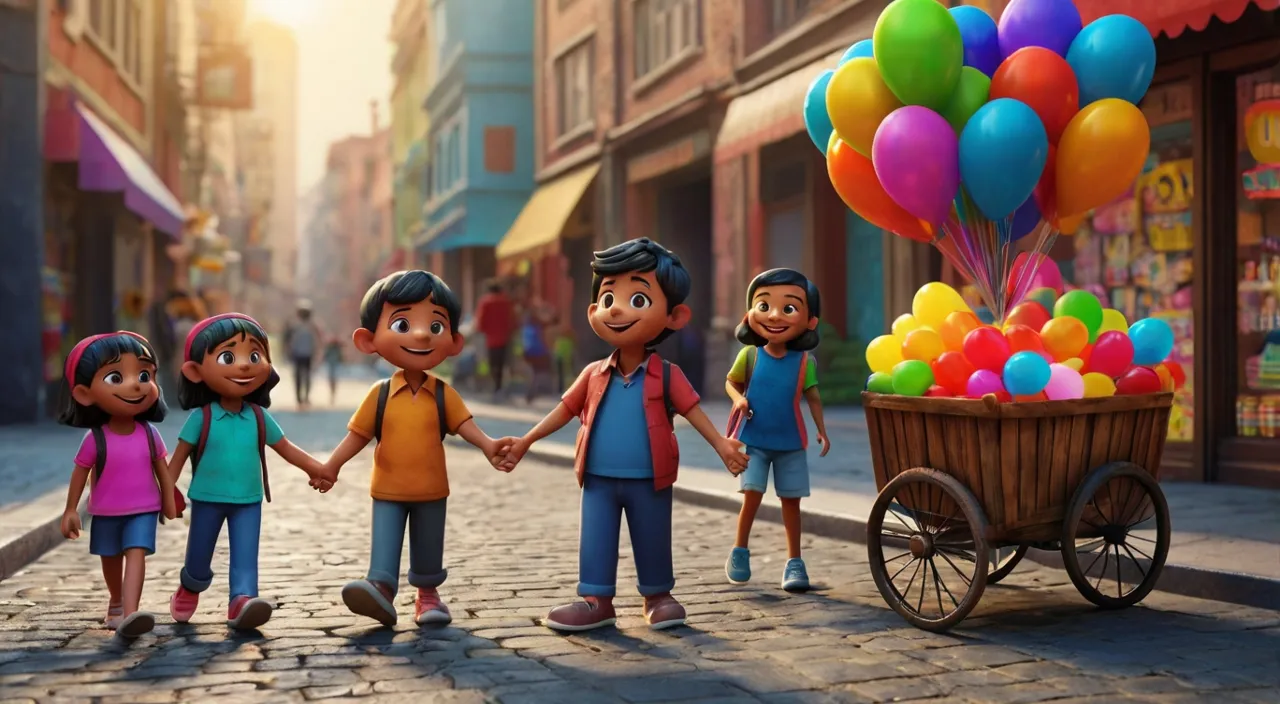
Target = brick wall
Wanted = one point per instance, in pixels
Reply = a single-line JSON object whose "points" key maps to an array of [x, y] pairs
{"points": [[96, 70], [565, 24]]}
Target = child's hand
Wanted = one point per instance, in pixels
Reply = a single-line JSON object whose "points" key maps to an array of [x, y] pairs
{"points": [[169, 507], [740, 406], [825, 443], [731, 454], [500, 450], [71, 524], [515, 452]]}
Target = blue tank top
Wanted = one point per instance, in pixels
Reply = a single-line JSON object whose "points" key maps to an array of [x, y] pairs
{"points": [[772, 398]]}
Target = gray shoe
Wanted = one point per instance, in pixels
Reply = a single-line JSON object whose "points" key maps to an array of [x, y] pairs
{"points": [[367, 599], [136, 624]]}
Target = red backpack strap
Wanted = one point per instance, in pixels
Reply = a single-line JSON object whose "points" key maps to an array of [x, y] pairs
{"points": [[100, 456], [261, 417], [206, 421]]}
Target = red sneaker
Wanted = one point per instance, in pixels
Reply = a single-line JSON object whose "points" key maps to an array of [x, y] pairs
{"points": [[247, 613], [182, 605], [663, 611], [592, 612], [428, 608]]}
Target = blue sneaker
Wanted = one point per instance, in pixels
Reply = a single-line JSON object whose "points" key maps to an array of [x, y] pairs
{"points": [[794, 576], [738, 567]]}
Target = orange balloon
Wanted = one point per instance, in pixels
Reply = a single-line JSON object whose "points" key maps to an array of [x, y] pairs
{"points": [[956, 326], [855, 180], [1102, 151], [922, 344], [1064, 338], [1028, 313], [1166, 378], [1068, 226], [1023, 339]]}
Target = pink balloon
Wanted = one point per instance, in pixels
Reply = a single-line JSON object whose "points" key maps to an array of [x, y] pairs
{"points": [[983, 382], [1047, 276], [1064, 383], [917, 158], [1112, 354]]}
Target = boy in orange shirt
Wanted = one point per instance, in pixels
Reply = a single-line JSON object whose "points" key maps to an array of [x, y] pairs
{"points": [[410, 319]]}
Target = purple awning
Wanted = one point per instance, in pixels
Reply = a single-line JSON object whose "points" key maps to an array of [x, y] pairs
{"points": [[108, 163]]}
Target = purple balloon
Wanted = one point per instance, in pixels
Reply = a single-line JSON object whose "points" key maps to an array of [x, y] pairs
{"points": [[983, 382], [916, 156], [1025, 219], [1052, 24]]}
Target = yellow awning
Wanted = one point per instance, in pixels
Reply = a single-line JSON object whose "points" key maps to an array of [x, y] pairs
{"points": [[543, 218]]}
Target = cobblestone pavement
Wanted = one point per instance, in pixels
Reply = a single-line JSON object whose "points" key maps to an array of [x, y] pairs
{"points": [[512, 554]]}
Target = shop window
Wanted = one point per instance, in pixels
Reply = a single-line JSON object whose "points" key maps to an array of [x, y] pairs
{"points": [[574, 98], [1258, 254], [665, 32], [500, 149]]}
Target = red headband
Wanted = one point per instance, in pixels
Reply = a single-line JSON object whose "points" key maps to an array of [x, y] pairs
{"points": [[200, 327], [73, 359]]}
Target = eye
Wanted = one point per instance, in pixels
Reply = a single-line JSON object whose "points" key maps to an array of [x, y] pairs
{"points": [[763, 306], [114, 378], [144, 376], [437, 328], [227, 358], [606, 299], [255, 357], [400, 325], [789, 309], [639, 301]]}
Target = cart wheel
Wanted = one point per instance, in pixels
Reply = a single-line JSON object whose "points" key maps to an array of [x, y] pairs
{"points": [[1118, 519], [935, 533], [1003, 560]]}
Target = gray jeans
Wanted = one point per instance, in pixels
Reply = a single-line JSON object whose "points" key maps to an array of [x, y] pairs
{"points": [[426, 542]]}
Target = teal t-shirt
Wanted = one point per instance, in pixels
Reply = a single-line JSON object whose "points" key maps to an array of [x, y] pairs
{"points": [[230, 470]]}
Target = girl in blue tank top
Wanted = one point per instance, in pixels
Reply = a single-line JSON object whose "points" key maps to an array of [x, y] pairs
{"points": [[772, 372]]}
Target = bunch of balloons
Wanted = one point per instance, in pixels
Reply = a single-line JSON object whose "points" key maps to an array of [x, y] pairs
{"points": [[949, 129], [1051, 348]]}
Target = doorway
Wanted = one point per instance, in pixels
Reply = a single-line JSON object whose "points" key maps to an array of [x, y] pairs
{"points": [[684, 226]]}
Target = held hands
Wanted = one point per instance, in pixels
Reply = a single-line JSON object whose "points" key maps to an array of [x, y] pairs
{"points": [[169, 507], [825, 443], [514, 452], [324, 479], [499, 452], [731, 454], [71, 524]]}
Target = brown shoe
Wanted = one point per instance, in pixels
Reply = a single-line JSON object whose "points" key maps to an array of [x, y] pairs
{"points": [[592, 612], [663, 611]]}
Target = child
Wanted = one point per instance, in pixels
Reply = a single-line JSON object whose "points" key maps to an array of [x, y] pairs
{"points": [[771, 373], [228, 377], [111, 389], [410, 320], [627, 454]]}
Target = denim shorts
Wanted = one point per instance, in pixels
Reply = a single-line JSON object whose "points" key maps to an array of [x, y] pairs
{"points": [[112, 535], [790, 472]]}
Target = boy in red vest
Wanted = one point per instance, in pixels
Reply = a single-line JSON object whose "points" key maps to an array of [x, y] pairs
{"points": [[626, 449]]}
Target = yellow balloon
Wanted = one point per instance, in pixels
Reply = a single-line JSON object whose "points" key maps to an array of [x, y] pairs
{"points": [[1100, 154], [934, 302], [858, 101], [904, 325], [1098, 385], [1075, 363], [883, 353], [1113, 319], [923, 344]]}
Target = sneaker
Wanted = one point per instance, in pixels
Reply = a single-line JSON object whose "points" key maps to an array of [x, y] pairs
{"points": [[590, 613], [115, 612], [428, 608], [182, 605], [247, 613], [663, 611], [794, 576], [371, 599], [738, 567], [136, 624]]}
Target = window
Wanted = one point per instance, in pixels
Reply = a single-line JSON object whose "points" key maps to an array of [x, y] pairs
{"points": [[441, 23], [500, 149], [116, 27], [665, 32], [574, 99], [785, 13]]}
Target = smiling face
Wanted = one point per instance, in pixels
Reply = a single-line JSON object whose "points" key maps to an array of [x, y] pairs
{"points": [[780, 314], [233, 369], [411, 336], [631, 310], [125, 387]]}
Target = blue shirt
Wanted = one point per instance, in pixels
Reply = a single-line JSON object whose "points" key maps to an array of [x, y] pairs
{"points": [[231, 469], [619, 443], [772, 399]]}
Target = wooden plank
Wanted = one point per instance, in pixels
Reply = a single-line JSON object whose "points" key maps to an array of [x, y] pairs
{"points": [[953, 429], [1009, 477], [1061, 460], [1157, 448], [1028, 446], [1081, 442], [992, 497], [1100, 444], [878, 461], [971, 467], [980, 408], [1045, 450], [1143, 428], [1121, 447], [889, 445], [935, 438], [914, 434]]}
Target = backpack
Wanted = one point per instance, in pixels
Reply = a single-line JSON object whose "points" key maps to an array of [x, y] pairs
{"points": [[384, 392], [206, 421], [666, 393], [100, 458], [735, 423]]}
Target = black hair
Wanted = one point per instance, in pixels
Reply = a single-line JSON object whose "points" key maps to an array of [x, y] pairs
{"points": [[406, 288], [304, 314], [783, 277], [97, 355], [641, 256], [193, 394], [493, 286]]}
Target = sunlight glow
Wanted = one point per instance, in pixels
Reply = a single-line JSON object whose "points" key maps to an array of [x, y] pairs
{"points": [[291, 13]]}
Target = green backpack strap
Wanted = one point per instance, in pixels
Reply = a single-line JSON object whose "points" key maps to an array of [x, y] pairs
{"points": [[752, 351], [384, 392]]}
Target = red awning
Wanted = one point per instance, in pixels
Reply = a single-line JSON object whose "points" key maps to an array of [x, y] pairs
{"points": [[1171, 17]]}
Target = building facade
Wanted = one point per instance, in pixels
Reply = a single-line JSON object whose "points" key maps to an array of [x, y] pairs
{"points": [[412, 69]]}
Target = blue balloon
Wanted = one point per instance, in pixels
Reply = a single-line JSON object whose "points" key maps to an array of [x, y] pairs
{"points": [[860, 49], [1003, 149], [981, 40], [985, 315], [816, 119], [1152, 340], [1026, 374], [1025, 219], [1113, 57]]}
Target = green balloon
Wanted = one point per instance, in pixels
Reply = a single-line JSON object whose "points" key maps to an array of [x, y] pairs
{"points": [[970, 94], [880, 383], [912, 378], [1083, 306], [918, 48]]}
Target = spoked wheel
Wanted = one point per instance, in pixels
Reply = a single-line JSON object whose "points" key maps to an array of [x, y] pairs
{"points": [[1116, 535], [926, 542], [1003, 560]]}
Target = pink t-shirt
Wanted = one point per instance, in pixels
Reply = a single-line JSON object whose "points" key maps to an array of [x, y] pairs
{"points": [[128, 483]]}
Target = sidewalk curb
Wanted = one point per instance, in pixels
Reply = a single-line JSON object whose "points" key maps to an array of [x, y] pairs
{"points": [[1183, 580], [32, 545]]}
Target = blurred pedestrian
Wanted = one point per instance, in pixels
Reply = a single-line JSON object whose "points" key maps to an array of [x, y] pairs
{"points": [[536, 352], [302, 340], [333, 362], [496, 320]]}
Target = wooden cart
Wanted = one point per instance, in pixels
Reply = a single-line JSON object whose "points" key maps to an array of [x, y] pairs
{"points": [[966, 486]]}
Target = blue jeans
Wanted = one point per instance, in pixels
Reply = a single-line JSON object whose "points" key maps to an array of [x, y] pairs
{"points": [[604, 499], [790, 472], [244, 523], [426, 543]]}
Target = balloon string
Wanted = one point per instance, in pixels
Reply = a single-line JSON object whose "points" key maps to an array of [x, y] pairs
{"points": [[1046, 236]]}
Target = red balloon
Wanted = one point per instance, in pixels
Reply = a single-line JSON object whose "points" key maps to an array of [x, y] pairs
{"points": [[1138, 380], [1112, 354], [936, 391], [952, 371], [1046, 193], [1004, 397], [1023, 339], [1085, 355], [986, 348], [855, 180], [1034, 397], [1044, 81], [1030, 314], [1177, 372]]}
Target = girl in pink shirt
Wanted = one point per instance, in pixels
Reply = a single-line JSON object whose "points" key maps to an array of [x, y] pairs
{"points": [[111, 389]]}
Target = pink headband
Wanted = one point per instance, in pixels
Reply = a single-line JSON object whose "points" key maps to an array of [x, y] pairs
{"points": [[200, 327], [73, 359]]}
